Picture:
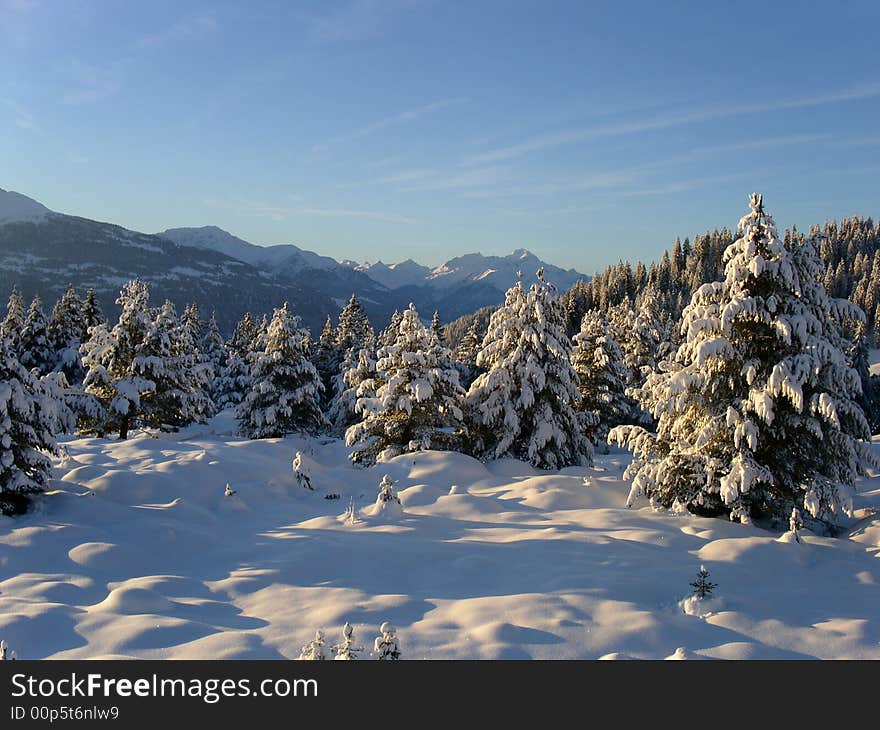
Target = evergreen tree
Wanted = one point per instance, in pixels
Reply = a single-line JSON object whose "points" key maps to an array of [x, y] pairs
{"points": [[234, 379], [358, 376], [212, 350], [417, 402], [328, 358], [389, 334], [757, 412], [108, 357], [702, 585], [523, 406], [354, 328], [314, 650], [30, 417], [286, 391], [91, 313], [66, 329], [13, 323], [36, 350], [169, 361], [386, 647], [598, 362], [347, 650]]}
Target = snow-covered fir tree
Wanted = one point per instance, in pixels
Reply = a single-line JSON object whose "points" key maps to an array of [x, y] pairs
{"points": [[702, 585], [108, 357], [466, 354], [314, 650], [13, 322], [353, 329], [389, 334], [386, 646], [347, 650], [234, 379], [5, 653], [358, 380], [524, 404], [168, 359], [66, 329], [91, 312], [417, 402], [35, 347], [598, 362], [757, 412], [30, 417], [285, 396], [328, 358], [212, 352]]}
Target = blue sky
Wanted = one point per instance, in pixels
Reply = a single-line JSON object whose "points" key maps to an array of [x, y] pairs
{"points": [[365, 129]]}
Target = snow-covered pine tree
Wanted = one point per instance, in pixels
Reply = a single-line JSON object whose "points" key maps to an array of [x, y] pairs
{"points": [[5, 653], [36, 349], [66, 329], [354, 333], [314, 650], [702, 585], [327, 358], [91, 310], [168, 359], [212, 352], [354, 328], [859, 358], [598, 362], [286, 393], [436, 327], [108, 357], [757, 412], [389, 334], [13, 322], [386, 647], [417, 404], [647, 337], [234, 380], [30, 416], [466, 354], [191, 320], [523, 406], [358, 376], [347, 650]]}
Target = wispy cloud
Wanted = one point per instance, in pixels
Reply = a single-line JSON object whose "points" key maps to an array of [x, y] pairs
{"points": [[90, 83], [391, 121], [284, 212], [21, 117], [12, 8], [186, 28], [665, 121], [683, 186], [354, 20]]}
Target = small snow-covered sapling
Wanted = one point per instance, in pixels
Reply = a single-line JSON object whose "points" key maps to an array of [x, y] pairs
{"points": [[385, 647], [4, 655], [347, 650], [702, 585], [386, 490], [795, 523], [314, 650], [301, 471], [351, 513]]}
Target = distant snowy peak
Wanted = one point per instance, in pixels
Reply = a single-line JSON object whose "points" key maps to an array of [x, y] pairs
{"points": [[394, 276], [18, 208], [216, 239], [499, 272]]}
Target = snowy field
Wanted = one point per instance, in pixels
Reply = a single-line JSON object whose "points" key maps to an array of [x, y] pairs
{"points": [[138, 553]]}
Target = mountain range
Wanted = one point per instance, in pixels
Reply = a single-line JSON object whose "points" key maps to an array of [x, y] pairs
{"points": [[42, 251]]}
